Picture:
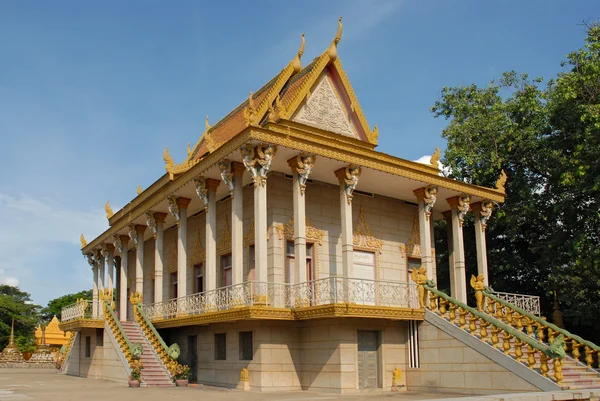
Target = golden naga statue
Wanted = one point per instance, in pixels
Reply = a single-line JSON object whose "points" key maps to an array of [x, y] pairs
{"points": [[435, 158], [136, 298], [419, 276], [108, 210], [83, 241], [478, 285]]}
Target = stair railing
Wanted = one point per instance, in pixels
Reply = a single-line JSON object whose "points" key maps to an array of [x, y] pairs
{"points": [[132, 351], [545, 331], [168, 355], [451, 309]]}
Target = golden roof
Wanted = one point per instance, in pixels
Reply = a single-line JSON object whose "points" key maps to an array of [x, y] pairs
{"points": [[54, 335]]}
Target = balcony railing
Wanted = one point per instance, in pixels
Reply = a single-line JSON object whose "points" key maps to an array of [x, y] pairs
{"points": [[529, 303], [325, 291], [82, 309]]}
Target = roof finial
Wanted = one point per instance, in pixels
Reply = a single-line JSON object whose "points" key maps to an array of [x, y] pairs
{"points": [[206, 125], [296, 63], [83, 241], [189, 149], [139, 189], [108, 210], [333, 47]]}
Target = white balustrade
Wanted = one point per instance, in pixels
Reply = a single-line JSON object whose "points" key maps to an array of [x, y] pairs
{"points": [[529, 303], [325, 291], [80, 310]]}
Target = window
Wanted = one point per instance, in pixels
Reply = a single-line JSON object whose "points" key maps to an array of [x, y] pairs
{"points": [[220, 347], [290, 269], [173, 278], [199, 275], [99, 337], [225, 270], [88, 346], [246, 350]]}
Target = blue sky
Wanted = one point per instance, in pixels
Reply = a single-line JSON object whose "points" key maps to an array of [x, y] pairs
{"points": [[92, 92]]}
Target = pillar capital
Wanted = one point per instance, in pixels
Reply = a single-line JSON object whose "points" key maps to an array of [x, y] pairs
{"points": [[212, 184], [140, 228], [107, 249], [348, 177], [427, 195], [461, 204], [483, 212], [237, 168], [159, 217], [257, 160], [301, 166], [227, 174], [183, 203]]}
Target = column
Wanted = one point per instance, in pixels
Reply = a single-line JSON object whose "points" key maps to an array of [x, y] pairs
{"points": [[237, 224], [210, 268], [459, 206], [182, 259], [121, 244], [100, 264], [159, 219], [108, 251], [92, 263], [301, 166], [348, 178], [426, 198], [483, 212], [139, 259], [448, 218]]}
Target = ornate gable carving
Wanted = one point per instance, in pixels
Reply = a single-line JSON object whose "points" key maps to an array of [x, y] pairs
{"points": [[312, 234], [249, 236], [363, 237], [413, 247], [324, 110]]}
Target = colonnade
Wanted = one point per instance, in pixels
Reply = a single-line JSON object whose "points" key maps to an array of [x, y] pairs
{"points": [[257, 160]]}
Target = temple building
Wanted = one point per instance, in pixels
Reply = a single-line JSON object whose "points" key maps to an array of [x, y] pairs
{"points": [[287, 253]]}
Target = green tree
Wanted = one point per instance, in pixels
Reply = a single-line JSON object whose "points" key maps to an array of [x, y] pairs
{"points": [[16, 304], [546, 136], [55, 305]]}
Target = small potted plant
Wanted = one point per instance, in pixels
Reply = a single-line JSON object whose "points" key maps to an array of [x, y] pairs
{"points": [[181, 375], [136, 373]]}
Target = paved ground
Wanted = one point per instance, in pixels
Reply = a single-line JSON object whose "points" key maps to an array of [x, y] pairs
{"points": [[45, 384]]}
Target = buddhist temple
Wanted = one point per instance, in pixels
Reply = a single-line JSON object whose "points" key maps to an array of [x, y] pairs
{"points": [[288, 252], [53, 335]]}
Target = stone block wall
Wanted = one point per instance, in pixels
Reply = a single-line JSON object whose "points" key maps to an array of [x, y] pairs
{"points": [[451, 366]]}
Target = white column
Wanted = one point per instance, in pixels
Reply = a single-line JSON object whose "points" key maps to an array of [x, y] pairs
{"points": [[348, 178], [448, 217], [110, 268], [482, 211], [260, 232], [124, 239], [159, 264], [139, 259], [457, 207], [210, 269], [425, 212], [237, 224], [100, 264], [182, 259], [94, 287]]}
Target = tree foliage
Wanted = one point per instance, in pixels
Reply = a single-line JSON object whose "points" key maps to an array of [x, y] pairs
{"points": [[55, 305], [16, 304], [546, 136]]}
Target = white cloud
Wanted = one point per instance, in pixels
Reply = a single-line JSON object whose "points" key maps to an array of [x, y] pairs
{"points": [[39, 247], [425, 159]]}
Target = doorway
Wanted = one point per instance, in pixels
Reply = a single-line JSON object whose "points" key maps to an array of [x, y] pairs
{"points": [[368, 359], [193, 350]]}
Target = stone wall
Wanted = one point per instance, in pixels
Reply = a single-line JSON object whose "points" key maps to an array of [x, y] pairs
{"points": [[318, 355], [449, 365]]}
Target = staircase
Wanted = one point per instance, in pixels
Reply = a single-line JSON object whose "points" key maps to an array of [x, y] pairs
{"points": [[154, 373], [577, 375], [511, 336]]}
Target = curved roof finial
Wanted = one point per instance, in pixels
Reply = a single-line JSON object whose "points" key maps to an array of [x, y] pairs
{"points": [[206, 125], [296, 63], [333, 47]]}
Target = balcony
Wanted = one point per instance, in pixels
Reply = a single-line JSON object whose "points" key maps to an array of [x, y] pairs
{"points": [[82, 314], [328, 297]]}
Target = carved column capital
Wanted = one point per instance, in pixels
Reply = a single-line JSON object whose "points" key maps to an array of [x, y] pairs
{"points": [[212, 185], [427, 195], [201, 190], [301, 166], [238, 168], [257, 161], [173, 207], [348, 177], [131, 231], [151, 222], [483, 211], [106, 250], [462, 205], [227, 174]]}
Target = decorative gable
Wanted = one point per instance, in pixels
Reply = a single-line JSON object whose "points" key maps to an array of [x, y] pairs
{"points": [[323, 109]]}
